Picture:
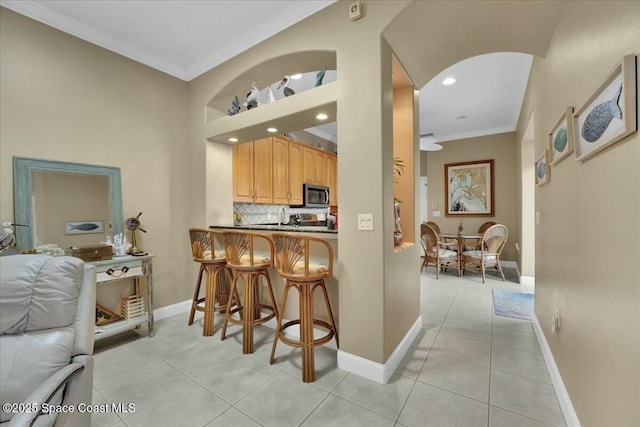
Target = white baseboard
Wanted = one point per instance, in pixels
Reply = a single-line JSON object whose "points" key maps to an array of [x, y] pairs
{"points": [[528, 280], [378, 372], [172, 310], [570, 416]]}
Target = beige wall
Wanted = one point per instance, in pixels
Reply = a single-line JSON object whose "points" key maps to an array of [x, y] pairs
{"points": [[587, 240], [64, 99], [502, 149]]}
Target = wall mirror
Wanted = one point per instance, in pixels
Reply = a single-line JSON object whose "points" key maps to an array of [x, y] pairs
{"points": [[68, 204]]}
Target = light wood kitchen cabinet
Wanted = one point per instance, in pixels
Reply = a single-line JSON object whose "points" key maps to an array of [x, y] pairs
{"points": [[243, 172], [295, 173], [287, 172], [273, 170], [332, 178], [280, 171], [314, 168], [253, 172], [263, 170]]}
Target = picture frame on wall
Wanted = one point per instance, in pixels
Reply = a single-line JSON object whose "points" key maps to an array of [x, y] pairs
{"points": [[469, 188], [83, 227], [610, 113], [561, 138], [542, 168]]}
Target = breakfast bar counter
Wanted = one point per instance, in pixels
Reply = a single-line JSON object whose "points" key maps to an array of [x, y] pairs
{"points": [[326, 233], [331, 236]]}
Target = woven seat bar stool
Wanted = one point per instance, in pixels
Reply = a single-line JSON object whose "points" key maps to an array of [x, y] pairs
{"points": [[207, 249], [249, 266], [294, 264]]}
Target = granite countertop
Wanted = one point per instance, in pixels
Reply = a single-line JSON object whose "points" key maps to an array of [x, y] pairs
{"points": [[284, 227]]}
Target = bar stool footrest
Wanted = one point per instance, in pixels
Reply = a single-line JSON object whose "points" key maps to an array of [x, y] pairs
{"points": [[298, 343], [259, 321]]}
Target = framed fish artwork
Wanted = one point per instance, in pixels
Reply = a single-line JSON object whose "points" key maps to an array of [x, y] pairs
{"points": [[542, 168], [83, 227], [561, 138], [610, 114]]}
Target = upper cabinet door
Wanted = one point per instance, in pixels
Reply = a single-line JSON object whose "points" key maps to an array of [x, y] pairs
{"points": [[332, 178], [308, 165], [243, 172], [295, 173], [320, 165], [263, 170], [280, 171]]}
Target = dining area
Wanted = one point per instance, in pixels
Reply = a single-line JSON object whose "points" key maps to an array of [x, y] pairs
{"points": [[462, 251]]}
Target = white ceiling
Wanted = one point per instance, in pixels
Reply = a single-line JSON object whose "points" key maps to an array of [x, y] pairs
{"points": [[185, 38]]}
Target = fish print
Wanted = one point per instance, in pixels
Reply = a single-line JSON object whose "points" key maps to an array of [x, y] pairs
{"points": [[541, 170], [599, 118], [87, 226], [560, 141]]}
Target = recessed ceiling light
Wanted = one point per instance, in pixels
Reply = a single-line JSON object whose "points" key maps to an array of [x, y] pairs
{"points": [[272, 130], [448, 81], [233, 139], [431, 147], [322, 116], [296, 76]]}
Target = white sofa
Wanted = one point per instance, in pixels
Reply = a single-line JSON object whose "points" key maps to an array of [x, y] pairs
{"points": [[47, 323]]}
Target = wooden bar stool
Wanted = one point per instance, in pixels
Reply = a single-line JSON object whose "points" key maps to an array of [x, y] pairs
{"points": [[249, 266], [207, 249], [293, 263]]}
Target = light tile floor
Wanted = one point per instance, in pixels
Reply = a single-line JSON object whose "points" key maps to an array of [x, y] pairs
{"points": [[467, 367]]}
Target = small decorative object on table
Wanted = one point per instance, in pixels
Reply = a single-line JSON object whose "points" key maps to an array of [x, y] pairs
{"points": [[51, 249], [235, 107], [460, 229], [120, 244], [89, 253], [133, 224]]}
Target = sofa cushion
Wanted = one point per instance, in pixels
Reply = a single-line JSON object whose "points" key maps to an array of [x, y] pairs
{"points": [[31, 285]]}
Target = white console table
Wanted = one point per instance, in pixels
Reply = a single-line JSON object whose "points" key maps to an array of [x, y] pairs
{"points": [[127, 267]]}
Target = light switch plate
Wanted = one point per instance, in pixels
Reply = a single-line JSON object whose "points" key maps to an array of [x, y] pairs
{"points": [[365, 222], [435, 213]]}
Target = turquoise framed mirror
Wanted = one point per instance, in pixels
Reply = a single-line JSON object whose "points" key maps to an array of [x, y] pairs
{"points": [[34, 194]]}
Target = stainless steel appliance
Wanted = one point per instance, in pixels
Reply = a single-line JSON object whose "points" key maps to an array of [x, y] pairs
{"points": [[315, 196]]}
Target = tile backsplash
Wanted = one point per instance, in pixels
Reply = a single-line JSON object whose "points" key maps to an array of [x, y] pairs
{"points": [[264, 214]]}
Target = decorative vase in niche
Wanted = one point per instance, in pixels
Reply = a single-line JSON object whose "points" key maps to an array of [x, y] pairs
{"points": [[397, 232]]}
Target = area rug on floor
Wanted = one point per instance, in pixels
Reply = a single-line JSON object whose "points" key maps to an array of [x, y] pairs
{"points": [[513, 304]]}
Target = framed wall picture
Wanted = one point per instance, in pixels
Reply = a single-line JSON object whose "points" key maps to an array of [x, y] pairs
{"points": [[609, 114], [542, 168], [83, 227], [469, 188], [561, 137]]}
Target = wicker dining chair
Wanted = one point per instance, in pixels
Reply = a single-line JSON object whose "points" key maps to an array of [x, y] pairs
{"points": [[435, 226], [476, 244], [436, 252], [488, 256]]}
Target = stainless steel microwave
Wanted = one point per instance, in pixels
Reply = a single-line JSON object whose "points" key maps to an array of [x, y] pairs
{"points": [[315, 196]]}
